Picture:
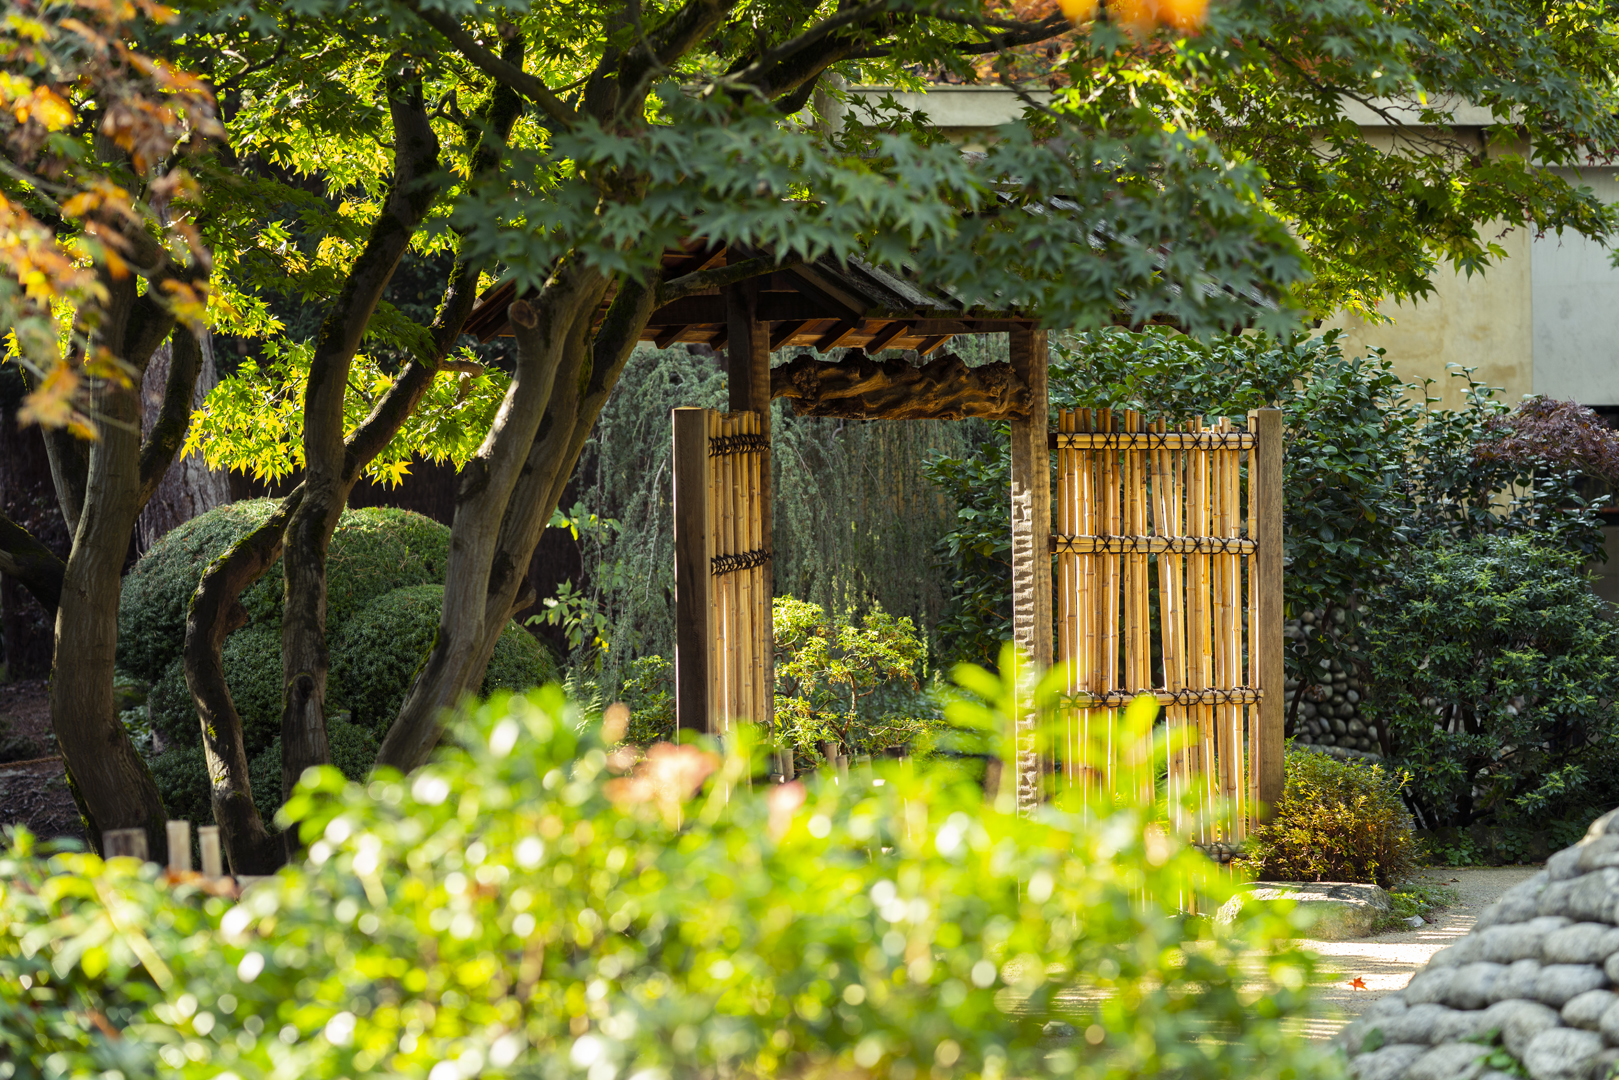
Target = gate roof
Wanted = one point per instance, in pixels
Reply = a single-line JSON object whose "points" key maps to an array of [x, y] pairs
{"points": [[822, 304]]}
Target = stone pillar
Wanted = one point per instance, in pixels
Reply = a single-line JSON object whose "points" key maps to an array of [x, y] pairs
{"points": [[1032, 621]]}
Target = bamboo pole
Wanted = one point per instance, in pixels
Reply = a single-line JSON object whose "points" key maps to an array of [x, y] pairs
{"points": [[747, 633], [1251, 638], [1198, 625], [763, 635], [716, 623], [1110, 577], [1090, 591], [1066, 526], [1240, 811]]}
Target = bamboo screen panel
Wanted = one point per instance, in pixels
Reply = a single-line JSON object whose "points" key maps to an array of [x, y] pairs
{"points": [[740, 667], [1153, 568]]}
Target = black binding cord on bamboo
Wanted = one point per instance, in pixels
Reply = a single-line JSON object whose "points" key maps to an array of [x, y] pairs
{"points": [[746, 560], [746, 443], [1150, 440], [1138, 545]]}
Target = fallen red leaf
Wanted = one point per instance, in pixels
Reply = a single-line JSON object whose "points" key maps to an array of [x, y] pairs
{"points": [[1357, 983]]}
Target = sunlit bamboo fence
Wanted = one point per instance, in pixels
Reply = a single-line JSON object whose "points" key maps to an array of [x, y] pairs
{"points": [[724, 670], [1189, 517]]}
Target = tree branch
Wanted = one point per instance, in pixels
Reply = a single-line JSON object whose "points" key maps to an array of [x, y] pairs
{"points": [[185, 363], [32, 563], [493, 66]]}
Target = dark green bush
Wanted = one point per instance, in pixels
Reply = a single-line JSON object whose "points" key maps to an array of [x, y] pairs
{"points": [[376, 654], [252, 660], [373, 552], [1338, 821], [1497, 670], [182, 773], [516, 909], [157, 590]]}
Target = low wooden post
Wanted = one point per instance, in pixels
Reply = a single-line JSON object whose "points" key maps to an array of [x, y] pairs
{"points": [[1265, 490], [179, 847], [125, 842], [694, 580], [1032, 625], [208, 841]]}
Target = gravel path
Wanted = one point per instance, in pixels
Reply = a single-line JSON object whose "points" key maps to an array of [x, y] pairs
{"points": [[1386, 962]]}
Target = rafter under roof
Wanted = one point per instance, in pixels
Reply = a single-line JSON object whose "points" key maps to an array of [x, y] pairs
{"points": [[821, 304]]}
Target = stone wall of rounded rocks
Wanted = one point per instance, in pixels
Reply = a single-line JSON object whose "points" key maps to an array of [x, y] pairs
{"points": [[1536, 977], [1330, 714]]}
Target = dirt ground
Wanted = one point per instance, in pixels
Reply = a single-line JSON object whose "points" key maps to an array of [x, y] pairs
{"points": [[33, 786], [1385, 963]]}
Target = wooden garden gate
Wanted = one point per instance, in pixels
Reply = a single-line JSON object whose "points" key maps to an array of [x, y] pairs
{"points": [[722, 583], [1143, 508]]}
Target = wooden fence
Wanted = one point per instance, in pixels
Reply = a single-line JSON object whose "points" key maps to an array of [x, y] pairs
{"points": [[723, 663], [1150, 529]]}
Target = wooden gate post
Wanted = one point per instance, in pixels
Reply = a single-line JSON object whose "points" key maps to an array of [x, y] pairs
{"points": [[694, 581], [747, 352], [1265, 491], [1032, 626]]}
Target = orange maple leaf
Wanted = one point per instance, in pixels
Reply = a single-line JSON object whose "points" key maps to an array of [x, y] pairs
{"points": [[1357, 983]]}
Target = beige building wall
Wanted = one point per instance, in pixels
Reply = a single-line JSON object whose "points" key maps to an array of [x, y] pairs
{"points": [[1486, 321]]}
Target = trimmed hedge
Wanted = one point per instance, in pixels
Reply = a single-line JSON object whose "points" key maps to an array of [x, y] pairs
{"points": [[182, 773], [376, 655], [156, 592], [384, 594]]}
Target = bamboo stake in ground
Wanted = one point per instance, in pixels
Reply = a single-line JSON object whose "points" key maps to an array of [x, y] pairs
{"points": [[747, 633]]}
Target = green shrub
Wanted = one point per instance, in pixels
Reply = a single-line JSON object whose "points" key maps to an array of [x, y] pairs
{"points": [[1497, 670], [373, 552], [157, 590], [516, 909], [851, 683], [1337, 821], [181, 772], [376, 654], [650, 693]]}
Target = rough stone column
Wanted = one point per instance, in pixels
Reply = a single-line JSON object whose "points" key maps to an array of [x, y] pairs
{"points": [[1032, 625]]}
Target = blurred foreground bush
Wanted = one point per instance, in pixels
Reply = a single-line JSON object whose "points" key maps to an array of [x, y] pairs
{"points": [[531, 905], [1337, 821]]}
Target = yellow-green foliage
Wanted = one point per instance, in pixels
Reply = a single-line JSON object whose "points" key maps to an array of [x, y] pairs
{"points": [[517, 908], [1338, 821]]}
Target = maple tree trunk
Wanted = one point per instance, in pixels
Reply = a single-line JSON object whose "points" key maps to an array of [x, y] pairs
{"points": [[215, 611], [111, 780], [510, 488]]}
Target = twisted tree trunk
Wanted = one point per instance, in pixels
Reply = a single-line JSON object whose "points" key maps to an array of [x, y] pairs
{"points": [[111, 780], [189, 488]]}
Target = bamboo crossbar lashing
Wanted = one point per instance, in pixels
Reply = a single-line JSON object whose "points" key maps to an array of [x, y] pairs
{"points": [[1151, 440], [1158, 529], [1179, 545]]}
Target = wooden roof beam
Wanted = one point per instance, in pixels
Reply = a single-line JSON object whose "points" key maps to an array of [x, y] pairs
{"points": [[881, 338]]}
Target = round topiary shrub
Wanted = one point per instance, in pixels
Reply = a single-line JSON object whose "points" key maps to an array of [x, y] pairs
{"points": [[374, 551], [379, 650], [181, 772], [1337, 821], [156, 592]]}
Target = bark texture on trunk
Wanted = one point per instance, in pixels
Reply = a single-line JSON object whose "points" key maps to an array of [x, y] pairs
{"points": [[495, 534], [189, 488], [216, 611], [326, 483], [112, 780]]}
